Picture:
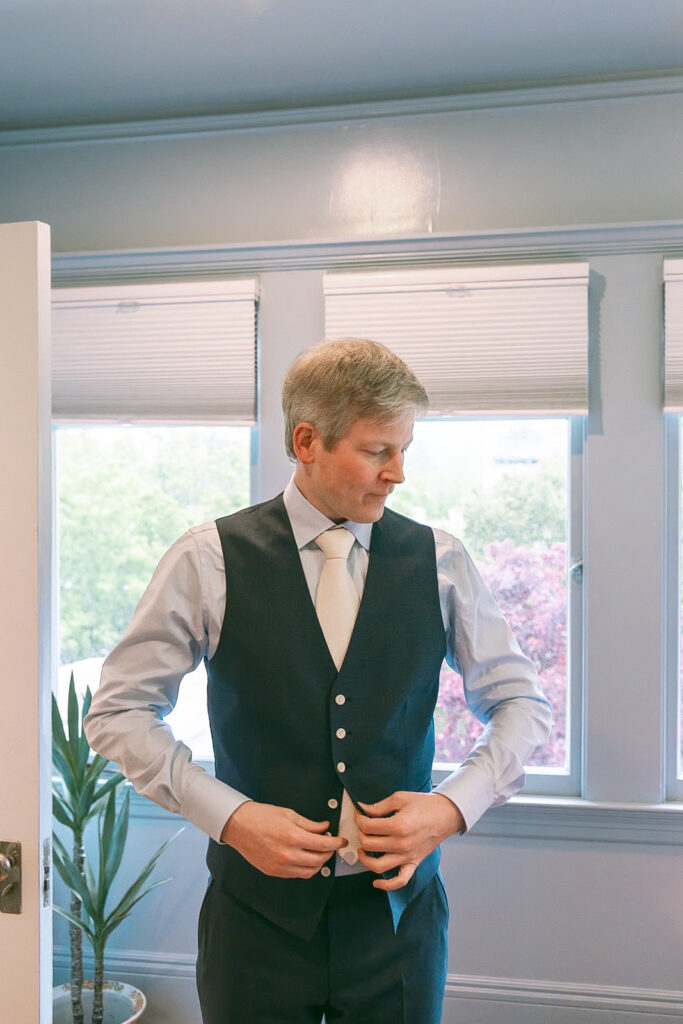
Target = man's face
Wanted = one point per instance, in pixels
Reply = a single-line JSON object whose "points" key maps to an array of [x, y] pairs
{"points": [[354, 479]]}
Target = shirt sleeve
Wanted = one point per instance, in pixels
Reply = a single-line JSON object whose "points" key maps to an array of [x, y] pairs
{"points": [[167, 638], [501, 687]]}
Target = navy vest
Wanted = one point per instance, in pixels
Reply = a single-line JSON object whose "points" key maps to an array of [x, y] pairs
{"points": [[276, 698]]}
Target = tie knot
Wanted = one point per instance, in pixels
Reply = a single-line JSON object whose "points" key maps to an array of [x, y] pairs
{"points": [[336, 543]]}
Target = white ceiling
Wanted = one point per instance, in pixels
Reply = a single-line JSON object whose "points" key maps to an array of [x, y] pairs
{"points": [[79, 61]]}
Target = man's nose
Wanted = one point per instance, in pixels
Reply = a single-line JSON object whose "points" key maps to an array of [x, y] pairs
{"points": [[393, 471]]}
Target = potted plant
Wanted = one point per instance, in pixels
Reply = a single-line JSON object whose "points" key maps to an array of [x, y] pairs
{"points": [[77, 796]]}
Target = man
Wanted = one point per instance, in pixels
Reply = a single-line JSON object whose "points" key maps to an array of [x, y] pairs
{"points": [[324, 620]]}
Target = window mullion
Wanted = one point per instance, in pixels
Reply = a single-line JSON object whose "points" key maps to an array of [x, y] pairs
{"points": [[672, 585]]}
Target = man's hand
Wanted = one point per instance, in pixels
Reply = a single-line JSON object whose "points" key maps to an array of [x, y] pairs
{"points": [[404, 829], [278, 841]]}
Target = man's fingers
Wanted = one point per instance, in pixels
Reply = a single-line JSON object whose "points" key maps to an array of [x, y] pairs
{"points": [[405, 873], [303, 859], [317, 836], [304, 840], [384, 807], [386, 844], [307, 824], [279, 841], [378, 865], [379, 826]]}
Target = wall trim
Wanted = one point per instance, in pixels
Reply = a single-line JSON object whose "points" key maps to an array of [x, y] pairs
{"points": [[621, 999], [584, 821], [123, 963], [71, 269], [127, 963], [267, 120]]}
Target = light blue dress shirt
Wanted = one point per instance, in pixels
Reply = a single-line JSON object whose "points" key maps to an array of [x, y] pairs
{"points": [[178, 622]]}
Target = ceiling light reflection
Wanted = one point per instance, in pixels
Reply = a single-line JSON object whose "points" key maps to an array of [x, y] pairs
{"points": [[389, 188]]}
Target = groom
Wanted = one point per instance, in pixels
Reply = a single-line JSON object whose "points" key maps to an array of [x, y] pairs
{"points": [[324, 621]]}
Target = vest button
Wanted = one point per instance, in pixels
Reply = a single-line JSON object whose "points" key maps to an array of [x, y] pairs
{"points": [[334, 804], [340, 734], [325, 872], [340, 699], [341, 767]]}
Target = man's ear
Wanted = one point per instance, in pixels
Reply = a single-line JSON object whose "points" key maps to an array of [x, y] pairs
{"points": [[304, 442]]}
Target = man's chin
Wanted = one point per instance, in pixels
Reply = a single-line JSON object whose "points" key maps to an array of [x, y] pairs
{"points": [[371, 512]]}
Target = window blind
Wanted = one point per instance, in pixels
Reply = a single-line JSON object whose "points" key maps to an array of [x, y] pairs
{"points": [[673, 335], [482, 340], [156, 352]]}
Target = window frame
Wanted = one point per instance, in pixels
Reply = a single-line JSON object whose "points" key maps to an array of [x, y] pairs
{"points": [[59, 423], [266, 477], [673, 480], [558, 782]]}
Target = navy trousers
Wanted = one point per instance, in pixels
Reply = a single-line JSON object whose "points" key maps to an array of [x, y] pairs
{"points": [[355, 969]]}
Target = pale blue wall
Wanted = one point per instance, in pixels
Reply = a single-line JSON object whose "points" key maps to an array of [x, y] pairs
{"points": [[554, 164]]}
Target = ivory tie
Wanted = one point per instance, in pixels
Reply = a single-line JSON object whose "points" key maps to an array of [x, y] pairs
{"points": [[336, 605]]}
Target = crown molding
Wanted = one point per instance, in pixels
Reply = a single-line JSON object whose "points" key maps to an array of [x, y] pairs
{"points": [[268, 120], [552, 243]]}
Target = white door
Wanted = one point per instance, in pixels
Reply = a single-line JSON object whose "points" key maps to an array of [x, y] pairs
{"points": [[25, 612]]}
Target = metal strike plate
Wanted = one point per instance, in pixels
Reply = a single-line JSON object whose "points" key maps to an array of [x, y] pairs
{"points": [[10, 878]]}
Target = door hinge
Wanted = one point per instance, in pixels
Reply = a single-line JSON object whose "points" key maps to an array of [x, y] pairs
{"points": [[47, 872]]}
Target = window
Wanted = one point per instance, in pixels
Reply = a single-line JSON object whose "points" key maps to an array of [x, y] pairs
{"points": [[124, 494], [677, 688], [498, 461], [501, 486], [179, 353], [502, 344], [673, 405]]}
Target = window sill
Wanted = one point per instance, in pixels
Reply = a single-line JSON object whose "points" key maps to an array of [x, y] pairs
{"points": [[552, 818], [567, 818]]}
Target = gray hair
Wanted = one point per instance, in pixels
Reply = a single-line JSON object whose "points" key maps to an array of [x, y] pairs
{"points": [[336, 382]]}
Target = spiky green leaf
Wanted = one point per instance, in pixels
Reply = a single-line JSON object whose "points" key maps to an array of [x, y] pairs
{"points": [[83, 925], [133, 891], [63, 766], [117, 840], [105, 826], [87, 701], [86, 798], [96, 767], [61, 812], [83, 753], [122, 910], [73, 878], [73, 720], [59, 739], [106, 788], [58, 845], [92, 888]]}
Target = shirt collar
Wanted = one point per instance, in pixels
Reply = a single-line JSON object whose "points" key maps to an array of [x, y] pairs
{"points": [[308, 522]]}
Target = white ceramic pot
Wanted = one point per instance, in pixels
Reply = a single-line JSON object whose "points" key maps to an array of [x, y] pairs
{"points": [[123, 1004]]}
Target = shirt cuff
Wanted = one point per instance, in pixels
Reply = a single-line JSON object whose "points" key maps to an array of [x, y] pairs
{"points": [[465, 790], [208, 803]]}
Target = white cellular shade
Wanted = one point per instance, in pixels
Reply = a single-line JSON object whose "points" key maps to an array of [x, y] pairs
{"points": [[158, 352], [483, 340], [673, 335]]}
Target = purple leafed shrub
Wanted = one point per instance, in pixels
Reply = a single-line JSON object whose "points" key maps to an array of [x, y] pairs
{"points": [[530, 586]]}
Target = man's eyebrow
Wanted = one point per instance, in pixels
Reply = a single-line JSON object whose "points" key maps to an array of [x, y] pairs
{"points": [[379, 443]]}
